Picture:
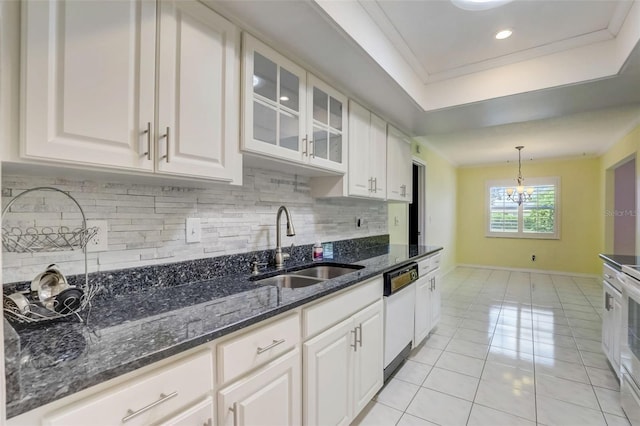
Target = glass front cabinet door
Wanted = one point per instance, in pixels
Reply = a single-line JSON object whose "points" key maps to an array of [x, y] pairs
{"points": [[288, 116], [326, 125]]}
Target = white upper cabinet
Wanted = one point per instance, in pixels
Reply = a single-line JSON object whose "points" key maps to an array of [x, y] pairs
{"points": [[366, 175], [326, 125], [367, 153], [198, 93], [399, 166], [89, 84], [274, 98], [289, 116], [88, 81]]}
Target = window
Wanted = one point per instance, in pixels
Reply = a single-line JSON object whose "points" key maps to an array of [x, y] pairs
{"points": [[536, 217]]}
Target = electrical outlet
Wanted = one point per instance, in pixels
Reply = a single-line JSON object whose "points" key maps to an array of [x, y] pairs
{"points": [[100, 241], [194, 231]]}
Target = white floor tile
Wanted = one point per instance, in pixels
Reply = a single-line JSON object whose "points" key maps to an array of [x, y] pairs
{"points": [[508, 375], [485, 416], [465, 347], [506, 398], [376, 414], [440, 408], [593, 359], [557, 352], [562, 369], [460, 364], [516, 359], [553, 412], [412, 372], [437, 341], [452, 383], [604, 378], [613, 420], [397, 394], [512, 343], [425, 354], [566, 390], [409, 420], [473, 336], [589, 345], [609, 401]]}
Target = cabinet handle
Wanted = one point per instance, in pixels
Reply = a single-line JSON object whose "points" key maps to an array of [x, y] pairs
{"points": [[359, 328], [312, 148], [166, 135], [272, 345], [234, 410], [305, 141], [208, 423], [355, 339], [370, 184], [607, 276], [607, 301], [148, 132], [375, 185], [403, 193], [131, 414]]}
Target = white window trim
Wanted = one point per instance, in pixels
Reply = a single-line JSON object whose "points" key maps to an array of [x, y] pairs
{"points": [[520, 234]]}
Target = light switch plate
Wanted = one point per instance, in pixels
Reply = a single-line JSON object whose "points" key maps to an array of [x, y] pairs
{"points": [[194, 231]]}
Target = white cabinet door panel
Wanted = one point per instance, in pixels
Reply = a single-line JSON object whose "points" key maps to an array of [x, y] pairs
{"points": [[422, 323], [271, 396], [378, 157], [328, 360], [368, 374], [359, 136], [198, 93], [88, 81]]}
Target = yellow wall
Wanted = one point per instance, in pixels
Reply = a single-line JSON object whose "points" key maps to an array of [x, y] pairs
{"points": [[580, 215], [440, 204], [625, 149]]}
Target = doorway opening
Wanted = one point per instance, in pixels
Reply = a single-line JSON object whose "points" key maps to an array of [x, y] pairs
{"points": [[417, 207], [624, 219]]}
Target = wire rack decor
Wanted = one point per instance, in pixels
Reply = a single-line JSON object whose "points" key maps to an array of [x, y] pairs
{"points": [[33, 239]]}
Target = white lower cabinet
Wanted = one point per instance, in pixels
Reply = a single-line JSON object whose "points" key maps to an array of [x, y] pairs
{"points": [[270, 396], [612, 323], [428, 298], [422, 319], [262, 375], [145, 400], [343, 368]]}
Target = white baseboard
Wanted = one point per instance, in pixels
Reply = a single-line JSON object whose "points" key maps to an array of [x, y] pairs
{"points": [[535, 271]]}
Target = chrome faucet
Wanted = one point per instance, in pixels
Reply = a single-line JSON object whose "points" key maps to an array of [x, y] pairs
{"points": [[281, 257]]}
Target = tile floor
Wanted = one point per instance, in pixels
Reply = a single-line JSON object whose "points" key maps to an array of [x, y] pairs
{"points": [[511, 348]]}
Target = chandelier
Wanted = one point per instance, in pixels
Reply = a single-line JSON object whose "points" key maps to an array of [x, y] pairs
{"points": [[520, 193]]}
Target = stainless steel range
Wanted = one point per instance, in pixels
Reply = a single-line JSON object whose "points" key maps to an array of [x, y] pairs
{"points": [[630, 342]]}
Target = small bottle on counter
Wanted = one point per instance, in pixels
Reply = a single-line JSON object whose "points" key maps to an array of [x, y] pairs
{"points": [[317, 251]]}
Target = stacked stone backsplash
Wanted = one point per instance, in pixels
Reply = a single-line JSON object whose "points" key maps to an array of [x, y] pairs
{"points": [[146, 223]]}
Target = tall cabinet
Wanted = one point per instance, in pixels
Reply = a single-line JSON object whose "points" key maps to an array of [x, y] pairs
{"points": [[90, 96], [399, 170]]}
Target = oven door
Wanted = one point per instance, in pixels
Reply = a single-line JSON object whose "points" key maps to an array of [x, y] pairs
{"points": [[630, 398], [630, 338]]}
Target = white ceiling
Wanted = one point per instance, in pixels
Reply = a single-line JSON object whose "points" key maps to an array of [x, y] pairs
{"points": [[566, 83]]}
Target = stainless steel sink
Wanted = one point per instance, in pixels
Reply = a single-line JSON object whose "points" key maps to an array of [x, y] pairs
{"points": [[326, 272], [290, 281]]}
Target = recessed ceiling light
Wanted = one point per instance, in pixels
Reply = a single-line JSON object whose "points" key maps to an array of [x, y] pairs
{"points": [[501, 35], [284, 98], [479, 4]]}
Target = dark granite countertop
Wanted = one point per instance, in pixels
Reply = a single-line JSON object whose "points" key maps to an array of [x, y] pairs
{"points": [[617, 260], [130, 331]]}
